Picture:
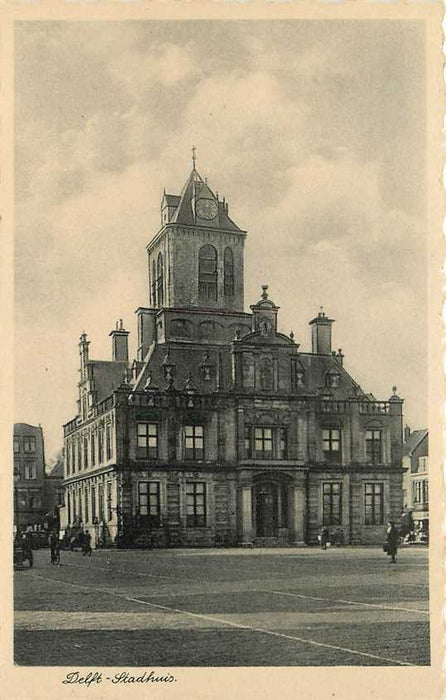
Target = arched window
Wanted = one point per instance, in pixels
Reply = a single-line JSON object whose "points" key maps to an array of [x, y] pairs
{"points": [[160, 279], [207, 273], [153, 283], [229, 272]]}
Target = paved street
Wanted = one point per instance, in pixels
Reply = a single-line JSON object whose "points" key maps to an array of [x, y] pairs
{"points": [[261, 607]]}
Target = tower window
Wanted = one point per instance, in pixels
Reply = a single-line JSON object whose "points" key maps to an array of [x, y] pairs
{"points": [[207, 273], [160, 279], [229, 272], [153, 288]]}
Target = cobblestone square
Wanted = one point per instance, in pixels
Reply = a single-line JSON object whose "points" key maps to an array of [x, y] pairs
{"points": [[224, 607]]}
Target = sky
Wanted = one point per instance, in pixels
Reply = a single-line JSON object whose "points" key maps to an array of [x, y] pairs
{"points": [[312, 130]]}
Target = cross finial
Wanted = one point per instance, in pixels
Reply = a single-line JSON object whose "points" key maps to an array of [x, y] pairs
{"points": [[194, 157]]}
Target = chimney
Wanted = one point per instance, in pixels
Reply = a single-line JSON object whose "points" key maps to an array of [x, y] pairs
{"points": [[120, 343], [321, 334]]}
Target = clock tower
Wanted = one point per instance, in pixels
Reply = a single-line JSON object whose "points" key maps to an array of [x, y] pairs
{"points": [[195, 260]]}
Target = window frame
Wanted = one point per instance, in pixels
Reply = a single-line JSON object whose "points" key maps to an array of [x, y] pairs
{"points": [[377, 492], [331, 454], [109, 508], [332, 515], [30, 466], [29, 444], [374, 446], [194, 453], [195, 491], [207, 278], [228, 272], [151, 432], [150, 492], [16, 444]]}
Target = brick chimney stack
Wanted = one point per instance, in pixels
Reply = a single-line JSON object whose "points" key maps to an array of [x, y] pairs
{"points": [[120, 343], [321, 334]]}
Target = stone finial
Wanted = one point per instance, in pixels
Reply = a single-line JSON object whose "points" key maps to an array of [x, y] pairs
{"points": [[264, 292], [292, 335], [394, 390]]}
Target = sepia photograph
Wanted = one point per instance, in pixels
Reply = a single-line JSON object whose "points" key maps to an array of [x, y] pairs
{"points": [[221, 430]]}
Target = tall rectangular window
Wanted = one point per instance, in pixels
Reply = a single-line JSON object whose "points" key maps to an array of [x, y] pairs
{"points": [[374, 504], [16, 444], [108, 443], [93, 502], [109, 500], [147, 441], [101, 502], [100, 445], [85, 441], [282, 443], [196, 504], [193, 442], [92, 449], [332, 503], [79, 454], [73, 456], [30, 470], [86, 519], [29, 443], [331, 440], [248, 441], [69, 507], [373, 446], [263, 443], [149, 503], [68, 459]]}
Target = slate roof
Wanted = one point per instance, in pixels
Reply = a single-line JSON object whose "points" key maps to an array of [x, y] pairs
{"points": [[107, 376], [195, 186], [187, 361], [57, 471], [413, 441]]}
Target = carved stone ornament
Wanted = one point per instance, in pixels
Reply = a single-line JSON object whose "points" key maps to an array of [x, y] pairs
{"points": [[265, 327]]}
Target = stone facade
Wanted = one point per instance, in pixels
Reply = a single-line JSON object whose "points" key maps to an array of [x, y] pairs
{"points": [[222, 431]]}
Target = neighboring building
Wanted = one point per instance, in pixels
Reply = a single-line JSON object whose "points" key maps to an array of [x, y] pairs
{"points": [[54, 494], [416, 478], [29, 476], [222, 431]]}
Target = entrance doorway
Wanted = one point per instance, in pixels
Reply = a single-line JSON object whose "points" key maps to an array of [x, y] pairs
{"points": [[271, 508]]}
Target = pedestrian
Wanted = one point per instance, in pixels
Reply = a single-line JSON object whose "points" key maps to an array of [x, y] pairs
{"points": [[27, 540], [324, 537], [87, 544], [55, 548], [392, 537]]}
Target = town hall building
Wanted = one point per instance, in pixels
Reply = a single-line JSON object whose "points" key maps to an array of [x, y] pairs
{"points": [[222, 431]]}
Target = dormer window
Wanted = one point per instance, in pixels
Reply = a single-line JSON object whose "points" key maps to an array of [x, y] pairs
{"points": [[333, 380]]}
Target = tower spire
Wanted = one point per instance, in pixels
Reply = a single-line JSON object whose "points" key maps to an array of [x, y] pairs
{"points": [[194, 157]]}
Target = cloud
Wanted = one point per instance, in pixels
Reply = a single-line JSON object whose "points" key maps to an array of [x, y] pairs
{"points": [[292, 122]]}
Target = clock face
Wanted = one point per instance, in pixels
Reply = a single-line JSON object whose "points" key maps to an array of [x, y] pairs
{"points": [[206, 209]]}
